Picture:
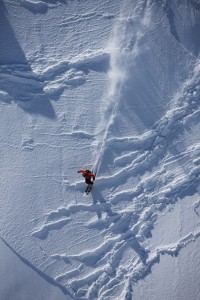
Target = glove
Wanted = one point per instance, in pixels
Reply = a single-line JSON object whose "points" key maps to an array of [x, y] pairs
{"points": [[78, 171]]}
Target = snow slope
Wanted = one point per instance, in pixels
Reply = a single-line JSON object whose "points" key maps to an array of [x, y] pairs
{"points": [[114, 85]]}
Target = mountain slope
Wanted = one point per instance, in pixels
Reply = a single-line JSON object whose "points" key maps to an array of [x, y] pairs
{"points": [[114, 86]]}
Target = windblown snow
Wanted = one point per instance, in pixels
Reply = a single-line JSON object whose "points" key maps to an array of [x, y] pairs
{"points": [[113, 86]]}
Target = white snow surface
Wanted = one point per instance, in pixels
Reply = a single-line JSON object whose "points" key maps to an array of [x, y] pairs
{"points": [[114, 86]]}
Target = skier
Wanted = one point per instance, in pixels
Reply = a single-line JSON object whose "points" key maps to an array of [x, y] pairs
{"points": [[89, 179]]}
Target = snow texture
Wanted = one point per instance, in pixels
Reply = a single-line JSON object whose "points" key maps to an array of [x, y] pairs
{"points": [[113, 86]]}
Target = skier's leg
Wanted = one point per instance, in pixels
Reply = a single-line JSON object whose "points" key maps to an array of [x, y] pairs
{"points": [[87, 187]]}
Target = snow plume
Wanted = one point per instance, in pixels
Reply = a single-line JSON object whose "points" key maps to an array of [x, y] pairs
{"points": [[111, 98], [124, 48]]}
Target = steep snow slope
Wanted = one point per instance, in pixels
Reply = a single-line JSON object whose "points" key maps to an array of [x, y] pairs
{"points": [[114, 85], [21, 280]]}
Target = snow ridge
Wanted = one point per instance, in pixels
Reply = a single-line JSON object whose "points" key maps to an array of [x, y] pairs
{"points": [[42, 274]]}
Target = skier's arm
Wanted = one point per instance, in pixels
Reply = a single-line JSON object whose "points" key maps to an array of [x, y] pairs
{"points": [[81, 171]]}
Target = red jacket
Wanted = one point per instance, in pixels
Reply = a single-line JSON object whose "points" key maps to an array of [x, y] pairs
{"points": [[87, 175]]}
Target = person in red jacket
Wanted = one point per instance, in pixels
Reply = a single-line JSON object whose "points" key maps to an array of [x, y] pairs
{"points": [[88, 175]]}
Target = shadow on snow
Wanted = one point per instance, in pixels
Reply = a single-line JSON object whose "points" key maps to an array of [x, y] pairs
{"points": [[17, 80]]}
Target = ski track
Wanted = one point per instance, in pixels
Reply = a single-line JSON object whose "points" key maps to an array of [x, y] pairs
{"points": [[126, 218]]}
